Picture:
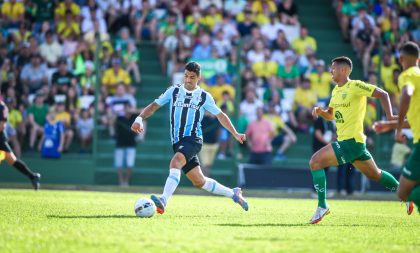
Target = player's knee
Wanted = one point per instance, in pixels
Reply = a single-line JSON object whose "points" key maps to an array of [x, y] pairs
{"points": [[375, 176], [199, 182], [177, 161], [314, 164]]}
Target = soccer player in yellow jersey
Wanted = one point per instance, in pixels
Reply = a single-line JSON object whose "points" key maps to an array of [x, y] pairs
{"points": [[348, 107], [409, 84]]}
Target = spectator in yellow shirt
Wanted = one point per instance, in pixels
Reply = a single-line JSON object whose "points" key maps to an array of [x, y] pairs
{"points": [[387, 74], [114, 76], [68, 27], [12, 13], [65, 117], [304, 41], [266, 68], [221, 87], [265, 7], [212, 18], [305, 100], [283, 135], [67, 6], [321, 82]]}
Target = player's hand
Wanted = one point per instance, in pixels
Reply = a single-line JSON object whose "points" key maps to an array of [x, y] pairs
{"points": [[399, 137], [381, 127], [316, 111], [241, 138], [137, 126]]}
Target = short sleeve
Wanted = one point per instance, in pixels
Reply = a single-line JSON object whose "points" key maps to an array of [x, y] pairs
{"points": [[363, 89], [403, 81], [211, 106], [165, 97]]}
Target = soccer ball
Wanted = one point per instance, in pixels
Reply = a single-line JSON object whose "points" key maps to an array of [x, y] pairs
{"points": [[144, 208]]}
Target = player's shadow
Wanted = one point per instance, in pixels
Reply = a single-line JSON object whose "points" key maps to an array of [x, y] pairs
{"points": [[296, 225], [92, 216]]}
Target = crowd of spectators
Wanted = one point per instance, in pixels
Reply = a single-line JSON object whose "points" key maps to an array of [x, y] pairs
{"points": [[47, 66]]}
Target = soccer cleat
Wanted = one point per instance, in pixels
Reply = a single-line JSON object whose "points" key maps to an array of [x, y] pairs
{"points": [[238, 198], [410, 207], [160, 203], [35, 181], [319, 214]]}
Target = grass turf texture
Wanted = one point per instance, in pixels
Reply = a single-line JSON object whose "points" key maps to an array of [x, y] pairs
{"points": [[77, 221]]}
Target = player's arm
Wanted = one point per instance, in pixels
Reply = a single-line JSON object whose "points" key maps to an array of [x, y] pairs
{"points": [[226, 123], [326, 114], [385, 126], [406, 93], [383, 96], [138, 125]]}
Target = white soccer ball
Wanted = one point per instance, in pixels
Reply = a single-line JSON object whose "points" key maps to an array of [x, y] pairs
{"points": [[144, 208]]}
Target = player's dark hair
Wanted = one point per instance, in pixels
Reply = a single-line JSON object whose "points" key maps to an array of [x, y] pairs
{"points": [[343, 60], [193, 67], [411, 49]]}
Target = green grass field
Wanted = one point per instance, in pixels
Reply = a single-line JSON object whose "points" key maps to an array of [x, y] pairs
{"points": [[76, 221]]}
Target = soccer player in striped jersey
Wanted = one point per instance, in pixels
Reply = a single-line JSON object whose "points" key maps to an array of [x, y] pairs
{"points": [[409, 84], [187, 105], [348, 107]]}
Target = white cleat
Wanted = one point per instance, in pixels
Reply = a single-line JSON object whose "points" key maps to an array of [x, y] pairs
{"points": [[319, 214]]}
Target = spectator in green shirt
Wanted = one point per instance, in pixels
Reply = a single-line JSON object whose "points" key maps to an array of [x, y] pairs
{"points": [[37, 114]]}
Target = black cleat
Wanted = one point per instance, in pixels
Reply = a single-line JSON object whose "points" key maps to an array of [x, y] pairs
{"points": [[35, 181]]}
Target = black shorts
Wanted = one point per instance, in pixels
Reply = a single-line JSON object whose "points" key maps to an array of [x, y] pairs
{"points": [[3, 143], [189, 147]]}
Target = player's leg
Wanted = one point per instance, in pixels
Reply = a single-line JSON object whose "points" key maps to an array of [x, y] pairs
{"points": [[325, 157], [24, 169], [195, 175], [410, 179], [371, 171]]}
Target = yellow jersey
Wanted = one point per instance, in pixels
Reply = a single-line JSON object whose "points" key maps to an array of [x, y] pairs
{"points": [[349, 109], [411, 77]]}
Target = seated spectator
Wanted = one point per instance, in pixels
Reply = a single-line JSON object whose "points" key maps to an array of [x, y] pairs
{"points": [[64, 116], [305, 99], [92, 24], [249, 105], [266, 7], [272, 28], [43, 12], [348, 10], [228, 28], [245, 26], [284, 137], [234, 7], [62, 79], [51, 50], [15, 127], [260, 134], [225, 140], [267, 68], [65, 7], [34, 75], [400, 152], [116, 106], [274, 89], [114, 76], [288, 12], [37, 114], [131, 61], [121, 43], [84, 127], [321, 83], [304, 41], [203, 49], [68, 27], [145, 23], [364, 42], [23, 34], [289, 73], [211, 18], [220, 88], [12, 12], [222, 45], [256, 54], [51, 144]]}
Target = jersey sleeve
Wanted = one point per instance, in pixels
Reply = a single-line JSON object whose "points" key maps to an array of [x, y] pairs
{"points": [[165, 97], [211, 106], [363, 89], [403, 81]]}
